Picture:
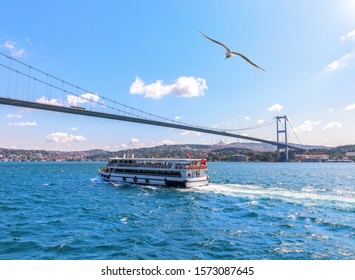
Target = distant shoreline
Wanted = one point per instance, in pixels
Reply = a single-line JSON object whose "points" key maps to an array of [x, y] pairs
{"points": [[234, 152]]}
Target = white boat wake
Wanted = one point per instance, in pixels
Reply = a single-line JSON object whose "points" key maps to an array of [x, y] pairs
{"points": [[306, 196]]}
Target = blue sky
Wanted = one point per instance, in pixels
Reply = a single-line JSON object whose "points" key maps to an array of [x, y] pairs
{"points": [[149, 55]]}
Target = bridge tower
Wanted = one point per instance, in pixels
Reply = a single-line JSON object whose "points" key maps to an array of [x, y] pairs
{"points": [[281, 128]]}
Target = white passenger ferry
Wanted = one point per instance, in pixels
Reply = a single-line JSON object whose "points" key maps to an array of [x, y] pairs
{"points": [[161, 172]]}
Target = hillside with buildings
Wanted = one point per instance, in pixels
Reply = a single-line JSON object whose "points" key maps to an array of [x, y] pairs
{"points": [[217, 152]]}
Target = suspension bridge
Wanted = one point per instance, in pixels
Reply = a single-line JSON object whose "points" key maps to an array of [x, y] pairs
{"points": [[23, 85]]}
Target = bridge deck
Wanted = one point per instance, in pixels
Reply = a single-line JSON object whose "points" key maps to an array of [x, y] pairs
{"points": [[77, 111]]}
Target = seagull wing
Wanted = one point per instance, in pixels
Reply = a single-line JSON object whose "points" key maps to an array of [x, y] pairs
{"points": [[219, 43], [248, 60]]}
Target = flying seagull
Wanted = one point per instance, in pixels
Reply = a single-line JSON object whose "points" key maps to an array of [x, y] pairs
{"points": [[230, 53]]}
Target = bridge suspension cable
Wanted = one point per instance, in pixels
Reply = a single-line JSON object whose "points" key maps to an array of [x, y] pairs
{"points": [[294, 133]]}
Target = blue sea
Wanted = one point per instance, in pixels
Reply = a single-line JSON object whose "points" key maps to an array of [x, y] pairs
{"points": [[275, 211]]}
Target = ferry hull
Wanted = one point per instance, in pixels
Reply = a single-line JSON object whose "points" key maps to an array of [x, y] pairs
{"points": [[165, 182]]}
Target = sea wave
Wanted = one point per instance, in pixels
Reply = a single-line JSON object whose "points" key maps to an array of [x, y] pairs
{"points": [[305, 196]]}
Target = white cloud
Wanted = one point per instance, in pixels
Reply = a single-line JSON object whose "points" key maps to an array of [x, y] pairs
{"points": [[23, 124], [350, 107], [340, 63], [349, 36], [167, 142], [14, 50], [178, 117], [63, 137], [52, 101], [330, 109], [75, 100], [74, 129], [333, 66], [136, 143], [261, 121], [306, 127], [276, 107], [182, 87], [190, 133], [332, 124], [122, 146], [247, 118], [13, 116], [344, 60]]}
